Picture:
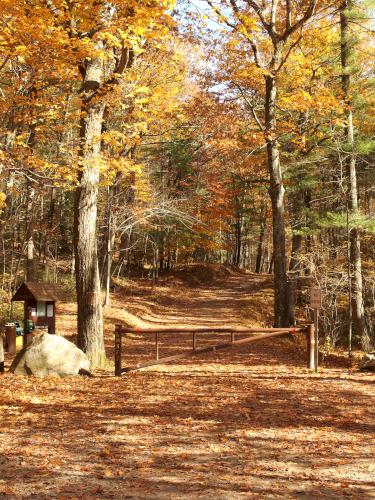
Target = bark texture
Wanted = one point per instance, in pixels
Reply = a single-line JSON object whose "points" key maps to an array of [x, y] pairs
{"points": [[260, 248], [276, 192], [357, 306], [29, 233], [90, 317]]}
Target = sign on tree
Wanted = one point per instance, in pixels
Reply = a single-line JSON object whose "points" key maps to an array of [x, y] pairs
{"points": [[315, 298]]}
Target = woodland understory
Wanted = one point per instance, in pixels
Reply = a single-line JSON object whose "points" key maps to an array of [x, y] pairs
{"points": [[142, 137]]}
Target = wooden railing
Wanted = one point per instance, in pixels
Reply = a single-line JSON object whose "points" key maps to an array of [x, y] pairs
{"points": [[257, 334]]}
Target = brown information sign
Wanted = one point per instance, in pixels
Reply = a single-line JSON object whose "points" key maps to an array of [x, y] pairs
{"points": [[315, 298]]}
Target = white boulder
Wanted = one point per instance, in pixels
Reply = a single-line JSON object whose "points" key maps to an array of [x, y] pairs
{"points": [[50, 355]]}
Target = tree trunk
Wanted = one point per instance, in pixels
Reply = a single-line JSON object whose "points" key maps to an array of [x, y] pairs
{"points": [[276, 192], [270, 264], [357, 306], [109, 260], [90, 319], [260, 249], [49, 233], [9, 183], [29, 233], [111, 233], [237, 251], [294, 269], [238, 240], [162, 251]]}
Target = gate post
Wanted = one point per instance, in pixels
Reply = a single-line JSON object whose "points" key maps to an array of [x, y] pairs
{"points": [[1, 354], [118, 351], [310, 337]]}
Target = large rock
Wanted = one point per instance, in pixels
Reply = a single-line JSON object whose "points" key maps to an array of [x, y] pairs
{"points": [[50, 355], [368, 362]]}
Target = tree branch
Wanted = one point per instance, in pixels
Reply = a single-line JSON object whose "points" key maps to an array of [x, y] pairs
{"points": [[288, 15], [251, 107], [125, 60], [298, 24], [285, 58], [259, 13], [253, 43]]}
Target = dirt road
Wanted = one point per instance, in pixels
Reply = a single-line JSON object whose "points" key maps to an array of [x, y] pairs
{"points": [[246, 423]]}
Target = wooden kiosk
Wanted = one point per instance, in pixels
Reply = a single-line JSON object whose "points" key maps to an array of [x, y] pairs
{"points": [[39, 306]]}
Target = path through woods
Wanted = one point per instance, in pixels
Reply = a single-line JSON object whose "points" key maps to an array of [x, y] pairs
{"points": [[251, 422]]}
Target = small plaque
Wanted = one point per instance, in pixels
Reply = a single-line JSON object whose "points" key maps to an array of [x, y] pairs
{"points": [[315, 298], [41, 309]]}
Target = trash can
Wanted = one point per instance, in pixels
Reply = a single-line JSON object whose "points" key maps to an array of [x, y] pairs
{"points": [[10, 335], [29, 333]]}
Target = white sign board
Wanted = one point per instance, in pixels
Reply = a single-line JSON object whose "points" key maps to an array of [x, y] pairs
{"points": [[315, 298]]}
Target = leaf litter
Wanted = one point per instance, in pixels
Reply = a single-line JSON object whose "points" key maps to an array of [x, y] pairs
{"points": [[249, 422]]}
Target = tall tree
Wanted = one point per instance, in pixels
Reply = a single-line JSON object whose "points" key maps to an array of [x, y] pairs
{"points": [[104, 37], [357, 314], [90, 320], [271, 30]]}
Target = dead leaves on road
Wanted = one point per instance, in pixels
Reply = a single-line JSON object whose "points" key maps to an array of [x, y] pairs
{"points": [[230, 426]]}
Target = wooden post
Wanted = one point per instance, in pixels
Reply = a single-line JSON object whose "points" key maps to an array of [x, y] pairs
{"points": [[316, 340], [310, 337], [10, 332], [1, 354], [316, 304], [118, 351], [157, 345]]}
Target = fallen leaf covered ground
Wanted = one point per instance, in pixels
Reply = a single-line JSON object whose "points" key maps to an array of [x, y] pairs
{"points": [[249, 422]]}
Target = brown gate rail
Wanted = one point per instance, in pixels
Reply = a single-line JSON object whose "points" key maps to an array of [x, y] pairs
{"points": [[267, 333]]}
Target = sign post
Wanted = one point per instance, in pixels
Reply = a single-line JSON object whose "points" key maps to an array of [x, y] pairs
{"points": [[316, 304]]}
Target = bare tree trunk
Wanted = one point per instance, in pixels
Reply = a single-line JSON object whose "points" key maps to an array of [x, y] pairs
{"points": [[294, 270], [357, 306], [8, 145], [300, 205], [90, 317], [111, 233], [29, 232], [162, 251], [7, 202], [48, 235], [237, 250], [260, 249], [276, 192], [270, 265], [108, 268], [238, 241]]}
